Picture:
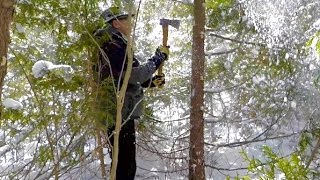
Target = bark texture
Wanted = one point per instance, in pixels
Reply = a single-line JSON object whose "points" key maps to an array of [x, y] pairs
{"points": [[6, 14], [196, 152]]}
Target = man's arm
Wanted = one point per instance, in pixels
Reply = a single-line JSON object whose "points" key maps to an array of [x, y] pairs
{"points": [[143, 73], [116, 52]]}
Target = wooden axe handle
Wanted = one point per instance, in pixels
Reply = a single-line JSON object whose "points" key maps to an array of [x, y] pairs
{"points": [[164, 43]]}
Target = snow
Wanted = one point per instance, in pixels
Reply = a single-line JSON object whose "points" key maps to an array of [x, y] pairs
{"points": [[293, 104], [4, 148], [313, 46], [42, 67], [257, 79], [12, 104], [316, 25], [217, 50], [221, 156], [255, 52], [20, 28], [287, 56], [314, 43]]}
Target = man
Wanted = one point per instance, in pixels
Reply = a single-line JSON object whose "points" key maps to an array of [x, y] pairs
{"points": [[112, 63]]}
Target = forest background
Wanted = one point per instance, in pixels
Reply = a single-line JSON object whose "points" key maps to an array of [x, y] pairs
{"points": [[261, 84]]}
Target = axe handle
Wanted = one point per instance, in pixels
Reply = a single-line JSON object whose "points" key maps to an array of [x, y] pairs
{"points": [[164, 43]]}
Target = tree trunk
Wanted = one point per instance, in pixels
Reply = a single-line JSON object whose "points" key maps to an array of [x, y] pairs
{"points": [[120, 98], [6, 13], [196, 151]]}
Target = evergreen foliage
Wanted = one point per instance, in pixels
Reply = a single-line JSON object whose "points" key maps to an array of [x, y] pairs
{"points": [[261, 92]]}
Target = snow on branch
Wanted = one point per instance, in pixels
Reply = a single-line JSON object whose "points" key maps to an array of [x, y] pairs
{"points": [[12, 104], [235, 40], [185, 2], [219, 51], [41, 68]]}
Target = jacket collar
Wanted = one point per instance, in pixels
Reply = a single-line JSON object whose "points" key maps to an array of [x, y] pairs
{"points": [[117, 34]]}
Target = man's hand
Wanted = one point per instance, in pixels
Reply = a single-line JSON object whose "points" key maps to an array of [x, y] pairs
{"points": [[163, 51], [156, 81], [161, 54]]}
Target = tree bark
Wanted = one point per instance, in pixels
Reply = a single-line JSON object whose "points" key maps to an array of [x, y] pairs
{"points": [[100, 154], [6, 14], [196, 151]]}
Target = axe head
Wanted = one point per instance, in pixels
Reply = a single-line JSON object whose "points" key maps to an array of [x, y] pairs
{"points": [[169, 22]]}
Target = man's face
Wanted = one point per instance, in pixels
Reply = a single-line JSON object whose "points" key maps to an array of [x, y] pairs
{"points": [[122, 25]]}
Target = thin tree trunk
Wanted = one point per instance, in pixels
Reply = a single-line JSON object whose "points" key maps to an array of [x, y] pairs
{"points": [[100, 154], [196, 151], [120, 100], [6, 13]]}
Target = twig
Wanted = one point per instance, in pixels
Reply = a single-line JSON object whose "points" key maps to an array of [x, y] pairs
{"points": [[225, 169]]}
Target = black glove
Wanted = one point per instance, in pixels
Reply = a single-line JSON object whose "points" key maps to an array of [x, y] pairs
{"points": [[163, 51], [156, 81], [161, 54]]}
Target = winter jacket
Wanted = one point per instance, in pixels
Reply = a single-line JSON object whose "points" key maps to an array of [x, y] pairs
{"points": [[115, 52]]}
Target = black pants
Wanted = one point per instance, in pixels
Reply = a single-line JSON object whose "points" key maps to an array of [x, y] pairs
{"points": [[126, 168]]}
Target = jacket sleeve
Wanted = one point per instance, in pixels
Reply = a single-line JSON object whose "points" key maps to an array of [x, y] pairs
{"points": [[116, 53], [142, 73]]}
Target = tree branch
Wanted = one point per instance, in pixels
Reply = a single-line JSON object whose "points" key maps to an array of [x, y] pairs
{"points": [[222, 52], [235, 40], [241, 143]]}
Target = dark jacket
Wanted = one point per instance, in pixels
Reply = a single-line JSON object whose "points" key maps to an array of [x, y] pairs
{"points": [[115, 53]]}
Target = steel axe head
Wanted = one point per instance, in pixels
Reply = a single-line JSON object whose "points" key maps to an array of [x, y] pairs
{"points": [[170, 22]]}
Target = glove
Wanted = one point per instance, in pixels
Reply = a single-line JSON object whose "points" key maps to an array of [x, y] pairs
{"points": [[161, 55], [163, 51], [156, 81]]}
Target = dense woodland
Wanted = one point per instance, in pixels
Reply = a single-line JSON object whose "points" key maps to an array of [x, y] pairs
{"points": [[260, 81]]}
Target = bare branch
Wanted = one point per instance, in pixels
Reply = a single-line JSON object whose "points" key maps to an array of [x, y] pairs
{"points": [[163, 171], [241, 143], [235, 40], [222, 52], [226, 169]]}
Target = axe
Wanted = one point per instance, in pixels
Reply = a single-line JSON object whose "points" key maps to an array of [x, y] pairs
{"points": [[165, 27]]}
